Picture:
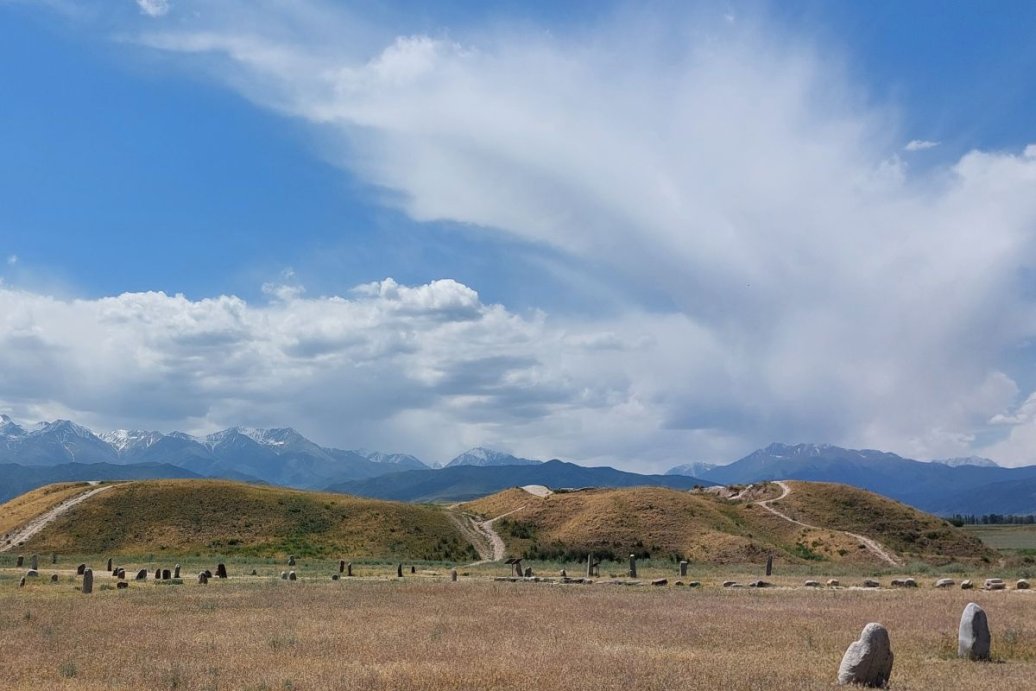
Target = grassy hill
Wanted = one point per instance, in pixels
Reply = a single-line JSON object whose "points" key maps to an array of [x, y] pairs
{"points": [[31, 504], [214, 516], [701, 526]]}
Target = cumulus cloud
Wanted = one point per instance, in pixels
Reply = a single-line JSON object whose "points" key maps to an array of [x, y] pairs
{"points": [[813, 288], [920, 145]]}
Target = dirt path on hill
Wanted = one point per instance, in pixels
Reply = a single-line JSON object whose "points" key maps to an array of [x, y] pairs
{"points": [[493, 548], [27, 531], [873, 545]]}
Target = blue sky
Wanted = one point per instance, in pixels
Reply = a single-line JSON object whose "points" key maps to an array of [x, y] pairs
{"points": [[625, 233]]}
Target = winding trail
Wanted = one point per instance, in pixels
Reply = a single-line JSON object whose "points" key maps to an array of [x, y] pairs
{"points": [[27, 531], [873, 545], [496, 543]]}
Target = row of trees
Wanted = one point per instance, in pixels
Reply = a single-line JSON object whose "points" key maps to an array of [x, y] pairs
{"points": [[992, 519]]}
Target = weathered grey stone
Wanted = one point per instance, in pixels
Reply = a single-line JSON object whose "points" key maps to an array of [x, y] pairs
{"points": [[109, 565], [660, 581], [203, 577], [32, 573], [122, 585], [254, 572], [966, 585], [158, 574], [867, 661], [292, 576], [904, 583], [291, 560], [413, 569], [21, 583], [945, 583], [166, 574], [399, 571], [176, 571], [1021, 584], [812, 584], [53, 558], [729, 584], [80, 569], [21, 561], [528, 572], [769, 565], [120, 573], [563, 574], [589, 564], [341, 566], [34, 562], [335, 576], [760, 584], [683, 568], [208, 574], [88, 581], [453, 575], [871, 583], [349, 569], [994, 584], [142, 575], [633, 566], [284, 575], [973, 634], [833, 583], [53, 578], [221, 570]]}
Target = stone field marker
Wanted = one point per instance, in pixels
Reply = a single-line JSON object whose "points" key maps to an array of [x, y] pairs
{"points": [[683, 568], [453, 575], [109, 565], [341, 566], [176, 571], [34, 563], [867, 661], [973, 634], [349, 569], [221, 570], [399, 571], [21, 561], [633, 566], [769, 565], [88, 581]]}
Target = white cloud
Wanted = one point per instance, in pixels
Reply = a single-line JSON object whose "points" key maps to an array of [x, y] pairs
{"points": [[920, 145], [820, 291], [153, 8]]}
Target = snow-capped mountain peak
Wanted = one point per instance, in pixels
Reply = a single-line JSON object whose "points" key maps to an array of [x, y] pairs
{"points": [[481, 456], [124, 439], [9, 428]]}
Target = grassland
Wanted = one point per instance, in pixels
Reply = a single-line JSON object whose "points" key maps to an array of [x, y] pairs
{"points": [[1014, 538], [181, 517], [703, 527], [20, 510], [427, 633]]}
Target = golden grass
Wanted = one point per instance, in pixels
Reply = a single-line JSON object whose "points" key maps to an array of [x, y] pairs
{"points": [[670, 524], [228, 518], [21, 509], [431, 634], [897, 526]]}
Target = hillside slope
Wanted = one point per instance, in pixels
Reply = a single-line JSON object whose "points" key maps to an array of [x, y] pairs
{"points": [[17, 479], [213, 516], [701, 526]]}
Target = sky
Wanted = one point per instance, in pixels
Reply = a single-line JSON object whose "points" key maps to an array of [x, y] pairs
{"points": [[635, 234]]}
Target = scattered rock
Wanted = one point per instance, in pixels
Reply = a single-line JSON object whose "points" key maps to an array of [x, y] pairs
{"points": [[871, 583], [1022, 584], [203, 577], [121, 585], [833, 583], [694, 584], [660, 581], [812, 584], [994, 584], [760, 584], [678, 583], [966, 585], [867, 661], [53, 578], [729, 584], [904, 583], [32, 573], [292, 576], [945, 583], [80, 569], [973, 634], [88, 581]]}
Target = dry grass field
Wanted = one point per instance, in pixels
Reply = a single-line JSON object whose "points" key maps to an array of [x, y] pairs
{"points": [[427, 633], [21, 509]]}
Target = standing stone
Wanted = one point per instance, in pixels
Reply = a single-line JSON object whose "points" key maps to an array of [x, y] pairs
{"points": [[120, 573], [564, 574], [973, 634], [21, 583], [284, 575], [80, 569], [966, 585], [54, 558], [88, 581], [413, 569], [633, 566], [453, 575], [176, 571], [341, 566], [142, 575], [291, 560], [203, 578], [158, 574], [867, 661], [166, 574], [528, 572], [221, 570], [21, 561], [110, 565], [32, 573], [292, 576], [208, 573], [590, 565], [683, 568], [769, 565], [349, 569], [399, 571], [34, 563]]}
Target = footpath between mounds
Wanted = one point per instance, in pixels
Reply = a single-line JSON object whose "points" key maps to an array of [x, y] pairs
{"points": [[34, 526]]}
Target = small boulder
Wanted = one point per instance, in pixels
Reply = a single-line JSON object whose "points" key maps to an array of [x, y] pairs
{"points": [[994, 584], [867, 661], [871, 583], [53, 578], [284, 575], [203, 577], [80, 569], [729, 584], [812, 584], [694, 584], [973, 634], [335, 577], [122, 585], [945, 583], [966, 585], [904, 583], [760, 584], [660, 581], [833, 583], [1022, 584], [292, 576], [291, 560], [32, 573]]}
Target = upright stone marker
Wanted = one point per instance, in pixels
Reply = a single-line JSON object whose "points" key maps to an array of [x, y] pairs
{"points": [[867, 661], [110, 565], [291, 560], [142, 575], [176, 571], [166, 574], [349, 569], [221, 570], [590, 565], [399, 571], [54, 558], [203, 578], [769, 565], [88, 581], [292, 576], [34, 563], [21, 561], [453, 575], [80, 569], [683, 568], [633, 566], [341, 566], [973, 634]]}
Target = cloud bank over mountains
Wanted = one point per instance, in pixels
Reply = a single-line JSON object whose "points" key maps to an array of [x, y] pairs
{"points": [[813, 285]]}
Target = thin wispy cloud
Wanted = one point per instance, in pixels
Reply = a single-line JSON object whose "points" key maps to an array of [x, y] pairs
{"points": [[153, 8], [920, 145]]}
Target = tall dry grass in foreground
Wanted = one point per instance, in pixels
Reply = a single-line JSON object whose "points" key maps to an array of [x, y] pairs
{"points": [[425, 633]]}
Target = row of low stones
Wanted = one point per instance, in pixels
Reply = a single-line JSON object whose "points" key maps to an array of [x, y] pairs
{"points": [[868, 661], [989, 584]]}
